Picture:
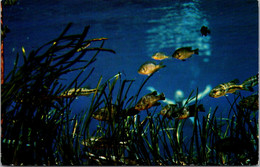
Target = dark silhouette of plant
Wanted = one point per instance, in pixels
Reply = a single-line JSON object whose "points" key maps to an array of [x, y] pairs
{"points": [[33, 113]]}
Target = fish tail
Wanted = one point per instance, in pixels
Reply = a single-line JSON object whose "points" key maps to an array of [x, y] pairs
{"points": [[154, 93], [252, 80], [162, 96], [235, 81], [161, 65], [196, 51], [248, 87]]}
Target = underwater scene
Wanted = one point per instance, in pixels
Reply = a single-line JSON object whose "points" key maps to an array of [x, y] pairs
{"points": [[141, 82]]}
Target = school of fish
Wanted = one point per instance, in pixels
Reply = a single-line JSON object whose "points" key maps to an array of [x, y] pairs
{"points": [[152, 99], [114, 112]]}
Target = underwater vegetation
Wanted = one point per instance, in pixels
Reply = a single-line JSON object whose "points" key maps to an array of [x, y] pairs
{"points": [[39, 127], [10, 2]]}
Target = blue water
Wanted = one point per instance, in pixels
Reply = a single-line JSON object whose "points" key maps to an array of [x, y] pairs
{"points": [[138, 29]]}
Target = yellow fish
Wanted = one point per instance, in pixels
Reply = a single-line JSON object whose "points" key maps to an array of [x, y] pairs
{"points": [[229, 87], [159, 56], [77, 92], [189, 111], [173, 111], [149, 67], [184, 53], [106, 114], [149, 100], [168, 110]]}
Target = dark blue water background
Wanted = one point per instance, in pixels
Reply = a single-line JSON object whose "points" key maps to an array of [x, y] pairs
{"points": [[138, 29]]}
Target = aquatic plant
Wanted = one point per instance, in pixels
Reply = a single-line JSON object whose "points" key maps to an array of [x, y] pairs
{"points": [[10, 2], [33, 113], [38, 127], [155, 140]]}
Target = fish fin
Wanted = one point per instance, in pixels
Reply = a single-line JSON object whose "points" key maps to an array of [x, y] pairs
{"points": [[188, 48], [248, 87], [252, 81], [161, 65], [183, 60], [235, 81], [157, 104], [154, 93], [162, 96], [196, 51]]}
